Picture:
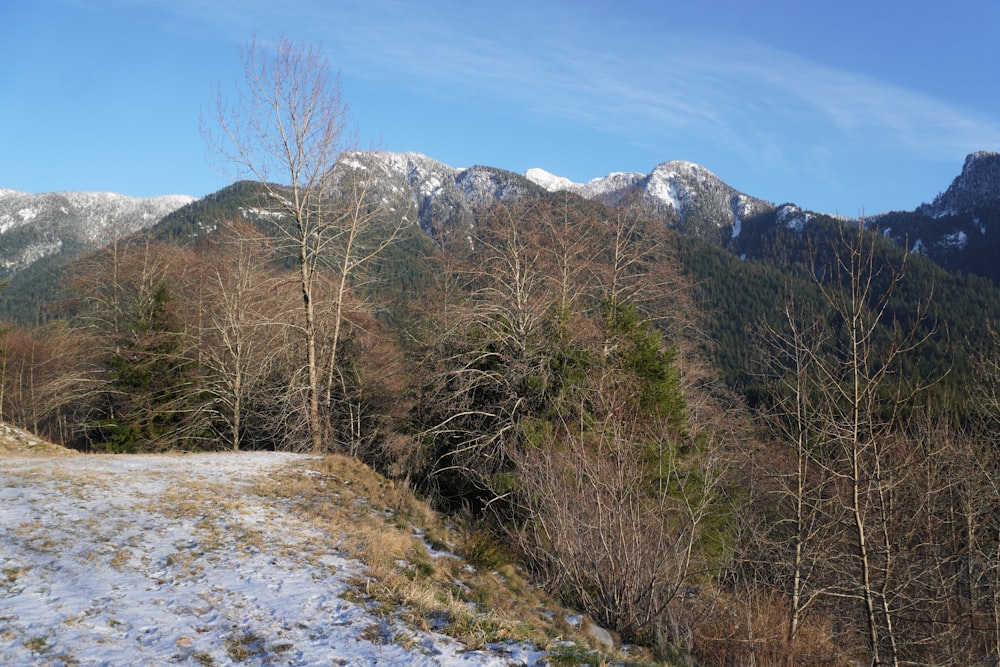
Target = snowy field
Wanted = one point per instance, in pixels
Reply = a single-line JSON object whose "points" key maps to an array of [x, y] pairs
{"points": [[161, 560]]}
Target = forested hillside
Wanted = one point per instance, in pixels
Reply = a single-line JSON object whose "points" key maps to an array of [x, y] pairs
{"points": [[952, 312]]}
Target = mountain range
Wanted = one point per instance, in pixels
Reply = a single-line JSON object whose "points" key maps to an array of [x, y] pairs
{"points": [[35, 226], [959, 229], [443, 199]]}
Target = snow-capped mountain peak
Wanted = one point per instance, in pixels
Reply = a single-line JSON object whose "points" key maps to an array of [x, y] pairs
{"points": [[440, 197], [33, 226], [550, 181], [683, 192], [977, 185]]}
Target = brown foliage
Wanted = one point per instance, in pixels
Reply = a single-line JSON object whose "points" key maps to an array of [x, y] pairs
{"points": [[49, 379]]}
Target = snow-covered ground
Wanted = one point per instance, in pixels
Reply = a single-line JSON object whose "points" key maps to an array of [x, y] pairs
{"points": [[156, 560]]}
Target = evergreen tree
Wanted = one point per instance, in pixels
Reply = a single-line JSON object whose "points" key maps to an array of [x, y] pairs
{"points": [[150, 401]]}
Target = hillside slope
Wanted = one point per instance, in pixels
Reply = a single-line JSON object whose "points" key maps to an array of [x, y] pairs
{"points": [[199, 559]]}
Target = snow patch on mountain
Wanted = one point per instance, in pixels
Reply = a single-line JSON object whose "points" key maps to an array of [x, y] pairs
{"points": [[680, 192], [30, 254], [613, 188], [261, 213], [33, 226], [666, 187], [793, 218], [744, 206], [441, 198], [610, 189], [484, 185], [957, 240], [551, 182]]}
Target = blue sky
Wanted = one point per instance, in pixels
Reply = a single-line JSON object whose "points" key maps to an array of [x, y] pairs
{"points": [[848, 107]]}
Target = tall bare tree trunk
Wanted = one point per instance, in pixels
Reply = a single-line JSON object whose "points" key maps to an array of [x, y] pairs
{"points": [[291, 126]]}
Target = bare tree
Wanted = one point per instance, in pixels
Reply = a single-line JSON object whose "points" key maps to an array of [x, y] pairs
{"points": [[289, 129], [3, 362], [795, 549], [976, 502], [852, 482], [239, 323], [51, 374]]}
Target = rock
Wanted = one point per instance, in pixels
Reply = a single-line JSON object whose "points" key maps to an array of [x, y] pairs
{"points": [[599, 635]]}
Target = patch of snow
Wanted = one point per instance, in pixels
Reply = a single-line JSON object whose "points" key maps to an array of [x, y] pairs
{"points": [[793, 218], [684, 170], [918, 247], [482, 185], [30, 254], [979, 225], [91, 217], [742, 206], [430, 186], [665, 188], [261, 213], [115, 560], [957, 240], [609, 187], [550, 181], [354, 163]]}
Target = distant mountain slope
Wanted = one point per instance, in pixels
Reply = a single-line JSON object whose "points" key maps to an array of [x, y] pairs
{"points": [[685, 195], [33, 226], [960, 229], [443, 200], [40, 232]]}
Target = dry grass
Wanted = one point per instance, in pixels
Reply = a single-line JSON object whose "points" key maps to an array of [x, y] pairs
{"points": [[18, 442], [452, 578], [455, 578], [753, 630], [417, 566]]}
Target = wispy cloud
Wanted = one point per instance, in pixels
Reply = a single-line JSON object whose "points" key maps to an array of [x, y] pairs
{"points": [[740, 94], [623, 79], [858, 107]]}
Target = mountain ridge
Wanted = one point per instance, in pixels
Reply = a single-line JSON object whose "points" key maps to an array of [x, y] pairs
{"points": [[976, 185], [959, 229], [42, 233], [34, 226]]}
